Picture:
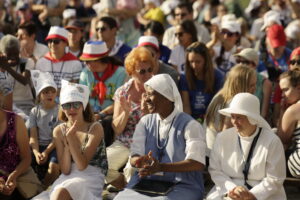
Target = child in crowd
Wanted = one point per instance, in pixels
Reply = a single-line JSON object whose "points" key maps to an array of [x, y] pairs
{"points": [[43, 119]]}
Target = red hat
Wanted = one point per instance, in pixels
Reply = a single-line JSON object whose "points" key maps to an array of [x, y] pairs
{"points": [[295, 52], [276, 35]]}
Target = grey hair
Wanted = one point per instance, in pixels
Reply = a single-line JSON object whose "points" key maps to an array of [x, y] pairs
{"points": [[9, 42]]}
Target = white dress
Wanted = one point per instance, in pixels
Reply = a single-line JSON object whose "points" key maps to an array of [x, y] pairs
{"points": [[267, 169], [81, 185]]}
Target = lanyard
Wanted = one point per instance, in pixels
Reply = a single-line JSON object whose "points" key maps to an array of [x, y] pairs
{"points": [[162, 148], [60, 71], [248, 161]]}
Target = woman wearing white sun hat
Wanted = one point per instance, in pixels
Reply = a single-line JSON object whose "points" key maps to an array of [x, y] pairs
{"points": [[247, 161]]}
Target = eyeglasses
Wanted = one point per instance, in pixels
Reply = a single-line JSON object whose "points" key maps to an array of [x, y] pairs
{"points": [[294, 62], [144, 71], [101, 29], [181, 14], [68, 106], [55, 41], [229, 34], [179, 34], [246, 62]]}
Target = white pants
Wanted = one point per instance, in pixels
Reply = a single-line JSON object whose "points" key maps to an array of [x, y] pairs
{"points": [[117, 157]]}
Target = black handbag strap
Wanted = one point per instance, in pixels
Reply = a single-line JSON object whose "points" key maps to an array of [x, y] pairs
{"points": [[248, 160]]}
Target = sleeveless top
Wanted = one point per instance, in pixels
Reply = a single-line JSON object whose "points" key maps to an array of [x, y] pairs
{"points": [[99, 159], [293, 160], [9, 150]]}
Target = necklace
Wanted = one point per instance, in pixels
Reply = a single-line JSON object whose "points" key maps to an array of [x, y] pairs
{"points": [[159, 147]]}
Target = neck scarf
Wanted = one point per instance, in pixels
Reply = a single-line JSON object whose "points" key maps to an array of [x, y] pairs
{"points": [[66, 57], [99, 89]]}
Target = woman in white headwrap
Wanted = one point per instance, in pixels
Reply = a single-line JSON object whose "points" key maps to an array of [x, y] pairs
{"points": [[80, 148], [247, 161], [168, 145]]}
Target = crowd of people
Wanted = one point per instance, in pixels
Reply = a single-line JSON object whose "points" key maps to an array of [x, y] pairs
{"points": [[141, 97]]}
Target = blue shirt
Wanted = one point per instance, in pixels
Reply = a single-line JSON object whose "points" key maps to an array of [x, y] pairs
{"points": [[112, 84], [199, 99]]}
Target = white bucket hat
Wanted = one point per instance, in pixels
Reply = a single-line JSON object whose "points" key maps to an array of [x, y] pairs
{"points": [[73, 92], [42, 80], [165, 85], [149, 40], [246, 104], [271, 17], [94, 50], [57, 32]]}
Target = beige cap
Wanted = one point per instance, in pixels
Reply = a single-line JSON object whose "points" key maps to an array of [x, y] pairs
{"points": [[249, 54]]}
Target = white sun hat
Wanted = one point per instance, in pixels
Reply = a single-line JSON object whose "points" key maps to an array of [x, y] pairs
{"points": [[73, 92], [42, 80], [249, 54], [57, 32], [68, 13], [270, 18], [246, 104], [149, 40], [165, 85]]}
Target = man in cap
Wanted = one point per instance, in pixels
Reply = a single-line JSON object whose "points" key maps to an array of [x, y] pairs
{"points": [[58, 61], [75, 36]]}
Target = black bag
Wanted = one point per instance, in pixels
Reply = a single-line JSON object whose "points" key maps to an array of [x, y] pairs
{"points": [[153, 187]]}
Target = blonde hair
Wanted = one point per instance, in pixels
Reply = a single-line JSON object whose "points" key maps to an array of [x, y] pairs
{"points": [[238, 80], [136, 56]]}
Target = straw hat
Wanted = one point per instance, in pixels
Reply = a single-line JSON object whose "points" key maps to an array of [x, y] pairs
{"points": [[73, 92], [94, 50], [246, 104], [57, 32]]}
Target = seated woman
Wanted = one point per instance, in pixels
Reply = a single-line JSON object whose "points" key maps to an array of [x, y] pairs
{"points": [[239, 79], [168, 145], [103, 75], [247, 161], [200, 82], [16, 175], [289, 128], [80, 148], [139, 64]]}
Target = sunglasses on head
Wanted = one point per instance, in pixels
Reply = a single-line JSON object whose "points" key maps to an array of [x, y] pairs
{"points": [[55, 41], [101, 29], [179, 34], [294, 62], [229, 34], [181, 14], [144, 71], [68, 106]]}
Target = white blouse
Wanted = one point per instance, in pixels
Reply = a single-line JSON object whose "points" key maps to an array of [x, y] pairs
{"points": [[194, 136], [267, 169]]}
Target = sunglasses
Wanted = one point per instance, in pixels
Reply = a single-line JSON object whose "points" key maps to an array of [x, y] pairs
{"points": [[181, 14], [179, 34], [229, 34], [246, 62], [294, 62], [55, 41], [144, 71], [68, 106], [101, 29]]}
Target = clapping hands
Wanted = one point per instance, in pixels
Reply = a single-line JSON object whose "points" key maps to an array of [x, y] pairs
{"points": [[147, 165]]}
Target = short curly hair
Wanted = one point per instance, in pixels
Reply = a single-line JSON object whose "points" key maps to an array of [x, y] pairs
{"points": [[136, 56]]}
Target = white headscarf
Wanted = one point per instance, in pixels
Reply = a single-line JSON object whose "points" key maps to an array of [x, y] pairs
{"points": [[165, 85]]}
